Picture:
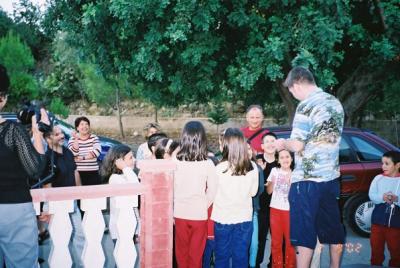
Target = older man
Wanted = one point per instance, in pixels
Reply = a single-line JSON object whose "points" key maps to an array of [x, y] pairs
{"points": [[254, 131], [315, 189]]}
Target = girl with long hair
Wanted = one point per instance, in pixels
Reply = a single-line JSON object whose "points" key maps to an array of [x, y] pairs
{"points": [[278, 183], [233, 208], [194, 191], [117, 168]]}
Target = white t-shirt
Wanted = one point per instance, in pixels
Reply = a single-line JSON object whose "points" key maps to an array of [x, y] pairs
{"points": [[281, 188]]}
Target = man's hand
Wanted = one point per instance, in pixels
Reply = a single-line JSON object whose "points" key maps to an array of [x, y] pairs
{"points": [[280, 144]]}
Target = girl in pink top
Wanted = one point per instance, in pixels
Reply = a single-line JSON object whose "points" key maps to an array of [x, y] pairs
{"points": [[194, 191]]}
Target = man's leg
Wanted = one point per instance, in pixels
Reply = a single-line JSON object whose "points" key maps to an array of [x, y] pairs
{"points": [[303, 257], [304, 205], [329, 226]]}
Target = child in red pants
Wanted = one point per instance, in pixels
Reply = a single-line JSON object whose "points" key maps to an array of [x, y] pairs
{"points": [[278, 183], [384, 192]]}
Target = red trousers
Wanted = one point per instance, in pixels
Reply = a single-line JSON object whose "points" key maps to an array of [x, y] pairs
{"points": [[190, 241], [381, 235], [280, 229]]}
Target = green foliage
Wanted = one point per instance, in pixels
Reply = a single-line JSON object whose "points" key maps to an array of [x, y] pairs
{"points": [[65, 80], [218, 114], [17, 58], [201, 51], [58, 107]]}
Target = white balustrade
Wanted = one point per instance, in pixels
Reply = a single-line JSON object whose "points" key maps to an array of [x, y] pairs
{"points": [[60, 229], [125, 222], [93, 228]]}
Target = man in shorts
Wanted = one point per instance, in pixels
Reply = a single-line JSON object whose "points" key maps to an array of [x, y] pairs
{"points": [[315, 189]]}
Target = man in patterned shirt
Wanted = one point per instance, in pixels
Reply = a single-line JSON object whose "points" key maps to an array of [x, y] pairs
{"points": [[315, 189]]}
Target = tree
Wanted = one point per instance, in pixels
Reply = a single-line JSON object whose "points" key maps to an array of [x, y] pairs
{"points": [[17, 58], [198, 51], [218, 115], [102, 89]]}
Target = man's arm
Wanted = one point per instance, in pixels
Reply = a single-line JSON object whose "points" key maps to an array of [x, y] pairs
{"points": [[290, 145]]}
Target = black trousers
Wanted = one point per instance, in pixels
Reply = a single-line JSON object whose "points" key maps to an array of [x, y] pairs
{"points": [[263, 226]]}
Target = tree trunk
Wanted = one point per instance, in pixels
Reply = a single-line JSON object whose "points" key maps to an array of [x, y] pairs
{"points": [[288, 100], [155, 114], [118, 104], [362, 85]]}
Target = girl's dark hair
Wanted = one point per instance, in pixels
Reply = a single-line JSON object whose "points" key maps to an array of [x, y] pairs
{"points": [[108, 166], [291, 155], [163, 146], [152, 140], [234, 150], [78, 120], [4, 81], [193, 142]]}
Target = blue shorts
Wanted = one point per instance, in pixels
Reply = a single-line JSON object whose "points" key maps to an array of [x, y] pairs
{"points": [[314, 212]]}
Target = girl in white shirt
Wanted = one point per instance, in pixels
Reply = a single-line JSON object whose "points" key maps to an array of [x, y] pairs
{"points": [[233, 208], [278, 183], [117, 168]]}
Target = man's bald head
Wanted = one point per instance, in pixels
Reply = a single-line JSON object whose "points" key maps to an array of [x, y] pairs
{"points": [[254, 116]]}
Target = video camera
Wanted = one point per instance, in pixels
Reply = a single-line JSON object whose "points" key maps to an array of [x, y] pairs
{"points": [[31, 108]]}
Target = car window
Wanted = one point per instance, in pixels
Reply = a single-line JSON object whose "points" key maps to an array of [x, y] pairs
{"points": [[366, 150], [345, 154]]}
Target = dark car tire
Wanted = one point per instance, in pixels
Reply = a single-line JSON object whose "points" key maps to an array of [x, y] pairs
{"points": [[358, 211]]}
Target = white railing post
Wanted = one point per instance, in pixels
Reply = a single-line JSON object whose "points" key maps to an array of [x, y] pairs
{"points": [[93, 228], [60, 231], [125, 222]]}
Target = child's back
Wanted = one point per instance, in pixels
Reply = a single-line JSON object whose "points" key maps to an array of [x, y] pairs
{"points": [[233, 203], [191, 198]]}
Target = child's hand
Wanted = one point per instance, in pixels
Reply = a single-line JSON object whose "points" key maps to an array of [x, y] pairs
{"points": [[390, 197], [120, 164], [261, 163]]}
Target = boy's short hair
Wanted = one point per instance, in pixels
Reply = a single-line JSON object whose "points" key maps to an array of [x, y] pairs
{"points": [[299, 74], [272, 134], [393, 155]]}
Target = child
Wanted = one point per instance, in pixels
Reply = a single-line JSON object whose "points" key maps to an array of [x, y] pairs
{"points": [[165, 148], [194, 192], [232, 208], [256, 208], [143, 152], [384, 192], [278, 183], [117, 168], [267, 162]]}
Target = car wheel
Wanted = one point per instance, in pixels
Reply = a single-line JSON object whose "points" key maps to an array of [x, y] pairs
{"points": [[358, 214]]}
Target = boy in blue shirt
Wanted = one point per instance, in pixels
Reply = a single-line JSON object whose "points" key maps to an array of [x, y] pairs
{"points": [[384, 192]]}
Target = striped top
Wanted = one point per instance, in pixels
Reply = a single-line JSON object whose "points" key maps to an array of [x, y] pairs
{"points": [[90, 146]]}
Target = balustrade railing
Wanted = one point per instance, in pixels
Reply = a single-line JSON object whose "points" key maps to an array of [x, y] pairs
{"points": [[155, 220]]}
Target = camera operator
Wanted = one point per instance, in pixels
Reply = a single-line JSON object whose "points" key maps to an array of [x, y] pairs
{"points": [[19, 160]]}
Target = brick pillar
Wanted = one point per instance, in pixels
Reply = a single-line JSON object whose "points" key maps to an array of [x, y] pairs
{"points": [[156, 212]]}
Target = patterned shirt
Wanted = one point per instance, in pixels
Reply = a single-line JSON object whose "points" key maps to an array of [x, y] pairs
{"points": [[89, 146], [318, 123]]}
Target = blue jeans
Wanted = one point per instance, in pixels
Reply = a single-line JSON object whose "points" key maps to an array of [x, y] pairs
{"points": [[77, 236], [208, 252], [254, 241], [232, 241], [18, 236]]}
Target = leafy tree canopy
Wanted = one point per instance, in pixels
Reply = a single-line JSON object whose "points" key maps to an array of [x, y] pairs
{"points": [[187, 51]]}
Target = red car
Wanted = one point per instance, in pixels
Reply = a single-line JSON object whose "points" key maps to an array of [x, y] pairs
{"points": [[360, 161]]}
